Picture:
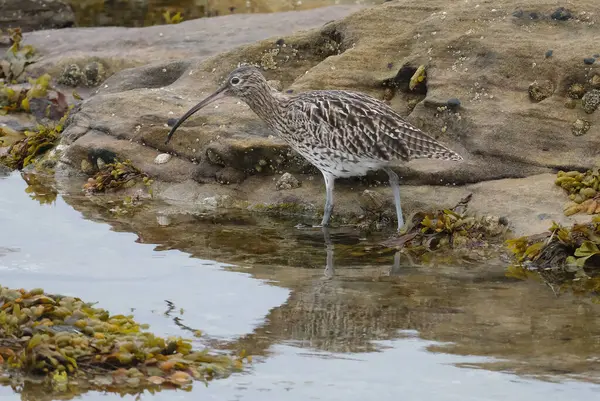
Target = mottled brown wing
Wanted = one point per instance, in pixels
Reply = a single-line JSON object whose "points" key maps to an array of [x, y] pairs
{"points": [[361, 126]]}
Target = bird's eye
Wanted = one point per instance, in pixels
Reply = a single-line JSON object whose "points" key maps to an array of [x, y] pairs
{"points": [[235, 81]]}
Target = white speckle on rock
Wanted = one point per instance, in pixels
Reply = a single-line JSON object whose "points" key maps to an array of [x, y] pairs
{"points": [[164, 70], [287, 181], [162, 158], [163, 220]]}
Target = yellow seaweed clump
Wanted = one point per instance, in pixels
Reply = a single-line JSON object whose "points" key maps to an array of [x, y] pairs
{"points": [[66, 344], [562, 256], [25, 151], [16, 57], [450, 229], [115, 175], [583, 190], [172, 19], [37, 97]]}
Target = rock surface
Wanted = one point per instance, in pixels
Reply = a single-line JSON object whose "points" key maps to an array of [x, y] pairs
{"points": [[485, 57], [32, 15]]}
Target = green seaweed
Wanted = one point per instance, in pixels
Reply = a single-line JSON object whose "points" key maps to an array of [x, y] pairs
{"points": [[67, 346], [566, 257], [449, 229], [17, 57], [114, 176], [39, 190], [583, 190], [172, 19], [38, 98], [36, 143]]}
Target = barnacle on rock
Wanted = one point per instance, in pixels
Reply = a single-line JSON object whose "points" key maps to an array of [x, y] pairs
{"points": [[590, 101], [580, 127], [76, 347], [71, 75], [539, 91], [576, 91]]}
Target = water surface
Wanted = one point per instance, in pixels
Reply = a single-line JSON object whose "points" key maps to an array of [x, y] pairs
{"points": [[369, 327]]}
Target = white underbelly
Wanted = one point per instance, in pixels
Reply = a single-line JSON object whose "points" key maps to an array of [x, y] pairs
{"points": [[341, 165]]}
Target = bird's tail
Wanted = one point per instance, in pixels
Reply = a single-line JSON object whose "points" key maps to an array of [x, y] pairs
{"points": [[435, 150]]}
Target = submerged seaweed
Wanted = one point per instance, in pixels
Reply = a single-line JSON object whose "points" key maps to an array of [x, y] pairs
{"points": [[67, 345], [39, 190], [36, 143], [116, 175], [562, 256], [450, 229]]}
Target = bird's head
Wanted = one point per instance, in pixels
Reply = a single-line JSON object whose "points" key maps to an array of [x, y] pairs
{"points": [[241, 82]]}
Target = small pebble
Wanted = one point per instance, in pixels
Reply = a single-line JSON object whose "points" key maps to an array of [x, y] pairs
{"points": [[561, 14], [162, 158], [287, 181], [533, 15], [280, 42], [589, 60], [549, 53], [453, 103], [517, 13], [171, 122]]}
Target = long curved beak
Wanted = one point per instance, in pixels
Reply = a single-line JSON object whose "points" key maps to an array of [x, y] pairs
{"points": [[221, 92]]}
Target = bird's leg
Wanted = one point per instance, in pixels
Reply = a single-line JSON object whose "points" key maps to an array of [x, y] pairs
{"points": [[329, 269], [329, 183], [395, 184]]}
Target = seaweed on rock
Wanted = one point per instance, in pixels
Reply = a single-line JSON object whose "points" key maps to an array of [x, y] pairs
{"points": [[563, 256], [66, 345], [36, 143], [116, 175], [451, 230], [17, 57], [583, 190]]}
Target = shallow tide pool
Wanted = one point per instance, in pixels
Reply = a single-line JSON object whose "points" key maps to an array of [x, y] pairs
{"points": [[370, 330]]}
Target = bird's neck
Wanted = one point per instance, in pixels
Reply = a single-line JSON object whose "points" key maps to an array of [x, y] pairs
{"points": [[267, 104]]}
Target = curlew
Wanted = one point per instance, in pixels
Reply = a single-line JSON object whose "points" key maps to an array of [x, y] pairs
{"points": [[342, 133]]}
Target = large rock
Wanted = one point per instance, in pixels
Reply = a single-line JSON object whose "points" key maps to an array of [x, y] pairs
{"points": [[510, 119], [118, 48], [30, 15]]}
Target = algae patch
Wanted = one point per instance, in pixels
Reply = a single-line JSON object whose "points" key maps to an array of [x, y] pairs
{"points": [[583, 190], [567, 258], [453, 230], [114, 176], [68, 347], [36, 143], [17, 57]]}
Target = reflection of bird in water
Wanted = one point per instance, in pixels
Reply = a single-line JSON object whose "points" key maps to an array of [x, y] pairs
{"points": [[329, 247], [342, 133]]}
